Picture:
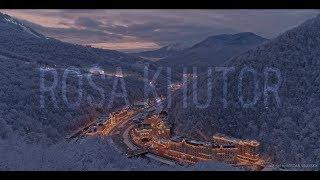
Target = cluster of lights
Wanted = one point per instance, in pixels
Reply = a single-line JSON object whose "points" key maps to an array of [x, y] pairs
{"points": [[164, 150], [115, 119]]}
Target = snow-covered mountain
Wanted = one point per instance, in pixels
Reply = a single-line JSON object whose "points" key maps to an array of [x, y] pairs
{"points": [[214, 50], [31, 138], [176, 47], [289, 133], [164, 52], [20, 40], [12, 24], [219, 41], [23, 52]]}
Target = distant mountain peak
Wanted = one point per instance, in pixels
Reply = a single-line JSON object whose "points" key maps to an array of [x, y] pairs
{"points": [[237, 35], [214, 50], [163, 52], [295, 54], [229, 39], [246, 34], [175, 47]]}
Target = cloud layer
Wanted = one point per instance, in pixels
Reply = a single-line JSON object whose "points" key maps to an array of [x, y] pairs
{"points": [[136, 30]]}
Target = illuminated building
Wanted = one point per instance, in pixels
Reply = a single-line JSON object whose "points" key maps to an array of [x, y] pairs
{"points": [[154, 134], [106, 123], [248, 150], [227, 153], [144, 132], [205, 150], [161, 129], [188, 147]]}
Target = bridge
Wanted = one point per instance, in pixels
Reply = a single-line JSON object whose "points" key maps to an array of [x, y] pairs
{"points": [[78, 133], [138, 152]]}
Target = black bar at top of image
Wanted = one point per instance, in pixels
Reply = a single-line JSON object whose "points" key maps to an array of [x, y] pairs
{"points": [[158, 4]]}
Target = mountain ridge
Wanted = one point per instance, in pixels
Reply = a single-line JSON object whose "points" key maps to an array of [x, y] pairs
{"points": [[214, 50], [161, 53], [287, 133]]}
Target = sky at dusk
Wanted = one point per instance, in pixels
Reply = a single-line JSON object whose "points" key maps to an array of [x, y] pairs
{"points": [[138, 30]]}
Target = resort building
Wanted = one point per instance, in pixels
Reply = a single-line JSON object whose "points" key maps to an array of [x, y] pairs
{"points": [[248, 150], [161, 129], [154, 135]]}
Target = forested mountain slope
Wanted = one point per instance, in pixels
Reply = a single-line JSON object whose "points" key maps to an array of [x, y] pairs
{"points": [[289, 132]]}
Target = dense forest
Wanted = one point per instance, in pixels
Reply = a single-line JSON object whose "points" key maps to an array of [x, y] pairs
{"points": [[289, 130]]}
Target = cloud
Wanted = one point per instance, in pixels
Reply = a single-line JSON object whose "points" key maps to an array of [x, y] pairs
{"points": [[87, 22], [154, 28], [77, 35], [127, 46]]}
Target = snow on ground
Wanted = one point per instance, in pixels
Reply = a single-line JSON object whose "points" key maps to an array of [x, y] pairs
{"points": [[10, 20], [3, 57], [85, 155]]}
